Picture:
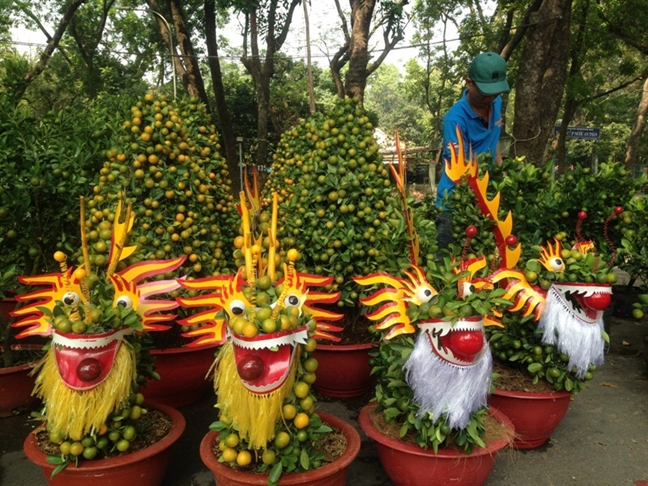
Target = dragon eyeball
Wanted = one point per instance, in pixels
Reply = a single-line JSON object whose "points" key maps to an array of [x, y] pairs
{"points": [[468, 289], [557, 265], [291, 300], [237, 307], [71, 299], [424, 294], [124, 301]]}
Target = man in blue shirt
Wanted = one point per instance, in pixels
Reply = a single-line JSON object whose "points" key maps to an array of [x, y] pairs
{"points": [[478, 115]]}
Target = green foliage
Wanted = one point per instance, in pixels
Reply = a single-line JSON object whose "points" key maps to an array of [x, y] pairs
{"points": [[340, 209], [395, 401], [519, 345], [166, 160], [44, 166], [634, 244]]}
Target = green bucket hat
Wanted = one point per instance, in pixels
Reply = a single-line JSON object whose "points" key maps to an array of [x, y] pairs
{"points": [[488, 72]]}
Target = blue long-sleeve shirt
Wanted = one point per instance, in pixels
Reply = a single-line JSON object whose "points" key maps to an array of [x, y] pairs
{"points": [[476, 132]]}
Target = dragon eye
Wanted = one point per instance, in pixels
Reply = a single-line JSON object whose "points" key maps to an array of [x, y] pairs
{"points": [[557, 265], [71, 299], [468, 289], [125, 301], [292, 300], [424, 294], [237, 307]]}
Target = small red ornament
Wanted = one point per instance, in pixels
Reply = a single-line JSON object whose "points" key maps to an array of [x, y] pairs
{"points": [[582, 215], [471, 231], [511, 240], [250, 367], [618, 210]]}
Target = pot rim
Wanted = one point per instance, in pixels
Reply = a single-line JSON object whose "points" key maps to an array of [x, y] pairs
{"points": [[532, 395], [345, 347], [492, 447], [351, 452], [24, 366], [179, 423]]}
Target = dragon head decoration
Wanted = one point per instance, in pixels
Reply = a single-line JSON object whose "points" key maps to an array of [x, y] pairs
{"points": [[265, 319], [449, 367], [89, 368], [569, 306]]}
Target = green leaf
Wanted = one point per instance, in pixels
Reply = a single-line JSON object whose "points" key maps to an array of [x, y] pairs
{"points": [[55, 459], [275, 474], [59, 468], [605, 337], [534, 367], [304, 460]]}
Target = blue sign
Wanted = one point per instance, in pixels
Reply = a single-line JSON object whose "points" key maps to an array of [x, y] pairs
{"points": [[581, 133]]}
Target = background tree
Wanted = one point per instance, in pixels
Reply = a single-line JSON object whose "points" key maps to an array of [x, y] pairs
{"points": [[355, 53]]}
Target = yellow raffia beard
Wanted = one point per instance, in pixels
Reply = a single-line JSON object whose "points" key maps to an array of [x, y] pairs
{"points": [[76, 413], [253, 415]]}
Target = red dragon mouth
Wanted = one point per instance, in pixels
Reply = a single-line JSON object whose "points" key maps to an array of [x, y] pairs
{"points": [[462, 343], [264, 362], [587, 301], [84, 361]]}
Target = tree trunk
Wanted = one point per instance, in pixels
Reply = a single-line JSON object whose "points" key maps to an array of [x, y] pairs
{"points": [[356, 78], [168, 39], [227, 133], [637, 129], [192, 79], [262, 72], [39, 67], [311, 91], [541, 79]]}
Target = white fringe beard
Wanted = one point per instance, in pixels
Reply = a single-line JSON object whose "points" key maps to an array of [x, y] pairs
{"points": [[442, 388], [582, 342]]}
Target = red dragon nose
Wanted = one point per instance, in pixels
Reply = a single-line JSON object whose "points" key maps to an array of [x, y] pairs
{"points": [[465, 345], [250, 367], [88, 370], [598, 302]]}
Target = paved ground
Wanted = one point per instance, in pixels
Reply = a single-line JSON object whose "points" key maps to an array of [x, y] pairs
{"points": [[603, 440]]}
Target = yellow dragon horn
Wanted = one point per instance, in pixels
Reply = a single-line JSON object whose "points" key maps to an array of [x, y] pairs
{"points": [[118, 251]]}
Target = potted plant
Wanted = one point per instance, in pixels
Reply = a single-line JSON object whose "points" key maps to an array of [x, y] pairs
{"points": [[166, 156], [433, 369], [96, 360], [340, 213], [268, 322], [566, 290], [16, 381]]}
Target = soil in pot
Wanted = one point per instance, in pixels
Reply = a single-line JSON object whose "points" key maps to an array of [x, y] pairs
{"points": [[340, 447], [144, 464]]}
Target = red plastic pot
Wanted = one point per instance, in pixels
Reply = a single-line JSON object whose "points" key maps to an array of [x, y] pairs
{"points": [[343, 370], [535, 415], [182, 375], [6, 306], [16, 385], [332, 474], [145, 467], [410, 465]]}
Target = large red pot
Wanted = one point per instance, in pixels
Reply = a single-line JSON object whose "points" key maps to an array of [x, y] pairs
{"points": [[16, 384], [332, 474], [535, 415], [7, 305], [410, 465], [145, 467], [182, 375], [343, 370]]}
